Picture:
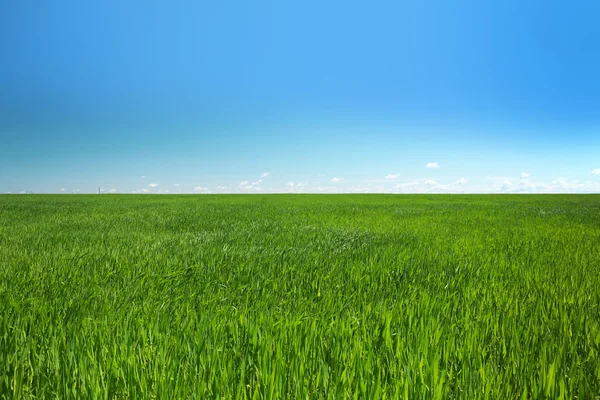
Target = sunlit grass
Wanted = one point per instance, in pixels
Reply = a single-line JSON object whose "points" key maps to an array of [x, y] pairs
{"points": [[347, 296]]}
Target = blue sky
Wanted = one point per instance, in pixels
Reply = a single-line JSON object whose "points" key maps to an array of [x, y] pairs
{"points": [[307, 96]]}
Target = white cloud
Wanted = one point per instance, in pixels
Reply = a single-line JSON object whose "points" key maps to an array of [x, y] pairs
{"points": [[296, 187], [325, 189], [515, 185], [249, 187], [392, 176], [144, 176], [559, 185], [432, 165], [113, 190], [423, 186], [498, 184], [560, 181], [431, 182], [176, 184], [595, 171], [525, 175], [506, 186], [250, 184], [62, 190], [153, 185]]}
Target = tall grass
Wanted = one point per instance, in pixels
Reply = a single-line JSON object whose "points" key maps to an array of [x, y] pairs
{"points": [[306, 296]]}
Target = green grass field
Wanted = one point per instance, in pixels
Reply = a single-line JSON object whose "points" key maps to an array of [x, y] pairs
{"points": [[300, 296]]}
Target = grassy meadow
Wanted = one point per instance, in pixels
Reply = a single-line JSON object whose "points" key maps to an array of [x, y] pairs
{"points": [[300, 296]]}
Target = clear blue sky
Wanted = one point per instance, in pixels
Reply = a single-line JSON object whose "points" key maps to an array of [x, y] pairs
{"points": [[322, 95]]}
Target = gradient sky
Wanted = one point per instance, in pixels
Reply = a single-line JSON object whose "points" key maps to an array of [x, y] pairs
{"points": [[313, 96]]}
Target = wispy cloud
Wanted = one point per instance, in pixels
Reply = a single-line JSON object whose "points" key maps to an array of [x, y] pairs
{"points": [[248, 184], [433, 165], [113, 190], [297, 185], [498, 184], [250, 187], [516, 185], [431, 182], [521, 182], [422, 186], [62, 190], [176, 184]]}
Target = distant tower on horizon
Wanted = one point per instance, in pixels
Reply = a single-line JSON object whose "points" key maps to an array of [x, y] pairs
{"points": [[98, 189]]}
